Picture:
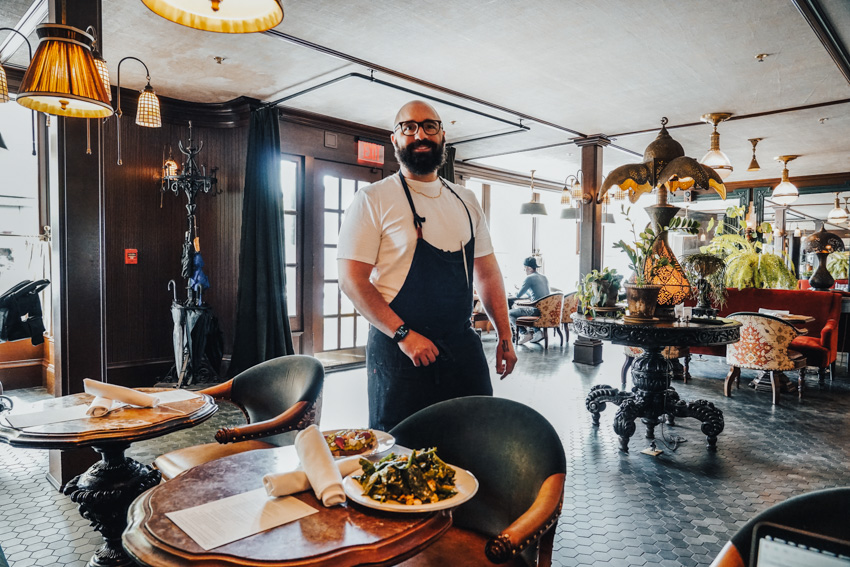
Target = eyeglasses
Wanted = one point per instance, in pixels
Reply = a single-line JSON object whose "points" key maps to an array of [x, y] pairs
{"points": [[411, 127]]}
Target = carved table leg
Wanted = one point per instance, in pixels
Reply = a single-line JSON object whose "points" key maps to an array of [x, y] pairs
{"points": [[624, 422], [710, 416], [624, 373], [597, 398], [104, 493]]}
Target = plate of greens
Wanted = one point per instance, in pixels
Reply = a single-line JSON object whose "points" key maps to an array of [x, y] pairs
{"points": [[411, 483]]}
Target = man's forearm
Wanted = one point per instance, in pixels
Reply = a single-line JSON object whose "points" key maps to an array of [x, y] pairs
{"points": [[371, 304]]}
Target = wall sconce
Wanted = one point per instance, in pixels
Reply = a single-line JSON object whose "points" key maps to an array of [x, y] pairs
{"points": [[786, 192], [4, 87], [533, 207], [715, 158], [240, 16], [100, 63], [47, 86], [147, 108], [754, 164], [574, 183]]}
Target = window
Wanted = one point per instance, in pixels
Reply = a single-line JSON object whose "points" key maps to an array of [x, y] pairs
{"points": [[289, 183]]}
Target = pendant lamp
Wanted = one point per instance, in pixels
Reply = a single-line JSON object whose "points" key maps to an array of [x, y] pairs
{"points": [[225, 16], [715, 158], [754, 164], [533, 207], [62, 78], [147, 108], [786, 192], [837, 214]]}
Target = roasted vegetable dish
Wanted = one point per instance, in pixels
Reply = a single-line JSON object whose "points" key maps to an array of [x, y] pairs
{"points": [[351, 441], [419, 478]]}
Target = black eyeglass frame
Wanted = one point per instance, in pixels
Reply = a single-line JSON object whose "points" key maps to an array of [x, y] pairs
{"points": [[439, 124]]}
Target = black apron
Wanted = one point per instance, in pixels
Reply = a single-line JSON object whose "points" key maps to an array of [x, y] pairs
{"points": [[435, 301]]}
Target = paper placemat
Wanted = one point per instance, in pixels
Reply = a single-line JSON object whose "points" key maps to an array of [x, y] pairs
{"points": [[224, 521], [22, 420]]}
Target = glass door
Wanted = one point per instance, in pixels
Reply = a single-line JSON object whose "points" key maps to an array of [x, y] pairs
{"points": [[339, 332]]}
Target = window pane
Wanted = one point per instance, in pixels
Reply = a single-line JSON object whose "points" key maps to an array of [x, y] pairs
{"points": [[346, 329], [346, 307], [19, 188], [362, 330], [331, 300], [331, 192], [348, 186], [331, 227], [290, 231], [330, 263], [331, 325], [291, 287], [289, 183]]}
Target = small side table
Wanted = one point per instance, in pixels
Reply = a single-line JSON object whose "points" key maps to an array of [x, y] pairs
{"points": [[653, 395]]}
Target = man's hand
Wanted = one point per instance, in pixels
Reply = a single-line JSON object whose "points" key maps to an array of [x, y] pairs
{"points": [[420, 349], [505, 357]]}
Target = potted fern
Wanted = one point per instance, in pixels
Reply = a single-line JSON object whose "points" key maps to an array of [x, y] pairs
{"points": [[599, 289], [837, 263]]}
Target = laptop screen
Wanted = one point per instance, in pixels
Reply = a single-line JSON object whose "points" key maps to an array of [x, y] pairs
{"points": [[780, 546]]}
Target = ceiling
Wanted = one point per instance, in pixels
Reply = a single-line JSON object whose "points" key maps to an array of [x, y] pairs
{"points": [[561, 69]]}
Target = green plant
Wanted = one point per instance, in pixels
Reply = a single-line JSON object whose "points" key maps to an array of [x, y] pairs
{"points": [[747, 265], [708, 273], [598, 288], [643, 250], [837, 263]]}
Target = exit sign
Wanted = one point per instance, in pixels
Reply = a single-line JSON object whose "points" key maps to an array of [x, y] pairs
{"points": [[370, 153]]}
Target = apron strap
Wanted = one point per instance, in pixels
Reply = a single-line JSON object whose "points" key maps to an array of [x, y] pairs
{"points": [[417, 220], [465, 208]]}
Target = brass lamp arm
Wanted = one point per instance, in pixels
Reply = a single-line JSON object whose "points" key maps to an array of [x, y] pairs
{"points": [[29, 51], [118, 112]]}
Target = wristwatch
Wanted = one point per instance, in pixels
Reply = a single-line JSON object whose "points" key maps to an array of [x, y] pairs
{"points": [[400, 333]]}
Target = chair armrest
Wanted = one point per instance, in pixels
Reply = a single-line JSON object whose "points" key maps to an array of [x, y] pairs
{"points": [[729, 556], [219, 391], [524, 302], [289, 420], [828, 334], [528, 528]]}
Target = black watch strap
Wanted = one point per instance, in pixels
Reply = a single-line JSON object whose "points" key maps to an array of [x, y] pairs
{"points": [[400, 333]]}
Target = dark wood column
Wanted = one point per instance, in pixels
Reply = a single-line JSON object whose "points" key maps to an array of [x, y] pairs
{"points": [[585, 350], [76, 211]]}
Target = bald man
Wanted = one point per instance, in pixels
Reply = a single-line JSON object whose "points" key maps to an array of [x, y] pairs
{"points": [[411, 248]]}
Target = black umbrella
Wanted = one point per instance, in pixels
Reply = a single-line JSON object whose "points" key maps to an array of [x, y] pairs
{"points": [[186, 260]]}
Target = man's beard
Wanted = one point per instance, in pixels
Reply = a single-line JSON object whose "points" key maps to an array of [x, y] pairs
{"points": [[422, 163]]}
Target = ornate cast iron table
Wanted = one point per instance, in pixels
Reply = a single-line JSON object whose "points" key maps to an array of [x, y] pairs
{"points": [[104, 492], [652, 395]]}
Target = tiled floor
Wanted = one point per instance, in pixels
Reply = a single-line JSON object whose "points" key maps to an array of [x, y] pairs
{"points": [[677, 509]]}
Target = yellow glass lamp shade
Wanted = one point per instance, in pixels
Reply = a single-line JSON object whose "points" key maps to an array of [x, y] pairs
{"points": [[674, 284], [4, 86], [62, 78], [169, 168], [225, 16], [103, 71], [147, 110]]}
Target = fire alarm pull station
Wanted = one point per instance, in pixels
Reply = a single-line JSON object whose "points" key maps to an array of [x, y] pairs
{"points": [[131, 256]]}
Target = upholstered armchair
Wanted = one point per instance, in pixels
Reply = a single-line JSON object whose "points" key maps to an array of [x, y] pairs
{"points": [[550, 315], [277, 397], [671, 353], [570, 306], [764, 346], [519, 462]]}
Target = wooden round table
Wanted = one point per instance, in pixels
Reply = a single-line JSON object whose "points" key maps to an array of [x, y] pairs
{"points": [[653, 395], [339, 536], [104, 492]]}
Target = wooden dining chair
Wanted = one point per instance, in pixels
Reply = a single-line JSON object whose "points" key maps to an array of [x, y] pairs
{"points": [[276, 396], [519, 462], [550, 316]]}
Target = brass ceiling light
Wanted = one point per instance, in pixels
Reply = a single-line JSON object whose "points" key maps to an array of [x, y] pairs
{"points": [[533, 207], [224, 16], [786, 192], [715, 158], [837, 214], [754, 164], [62, 78]]}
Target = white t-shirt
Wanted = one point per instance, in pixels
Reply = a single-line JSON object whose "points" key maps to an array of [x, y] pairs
{"points": [[378, 227]]}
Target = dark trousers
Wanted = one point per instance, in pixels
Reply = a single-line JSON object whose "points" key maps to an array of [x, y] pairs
{"points": [[522, 312]]}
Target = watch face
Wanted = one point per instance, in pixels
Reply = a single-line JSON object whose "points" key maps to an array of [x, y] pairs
{"points": [[400, 333]]}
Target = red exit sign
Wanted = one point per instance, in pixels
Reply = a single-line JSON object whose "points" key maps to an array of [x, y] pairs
{"points": [[370, 153]]}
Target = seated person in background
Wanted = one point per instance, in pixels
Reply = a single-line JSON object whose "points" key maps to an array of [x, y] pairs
{"points": [[533, 287]]}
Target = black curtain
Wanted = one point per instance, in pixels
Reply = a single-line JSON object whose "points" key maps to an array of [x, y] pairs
{"points": [[447, 172], [262, 323]]}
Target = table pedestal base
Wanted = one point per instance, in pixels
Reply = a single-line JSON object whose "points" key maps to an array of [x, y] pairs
{"points": [[104, 494], [652, 398]]}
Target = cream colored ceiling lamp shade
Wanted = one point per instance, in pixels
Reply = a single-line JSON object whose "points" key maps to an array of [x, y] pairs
{"points": [[224, 16], [786, 192], [147, 110], [715, 158], [62, 78], [837, 214]]}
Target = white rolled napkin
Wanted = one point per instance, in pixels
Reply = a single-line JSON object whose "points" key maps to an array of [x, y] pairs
{"points": [[284, 484], [319, 466], [120, 393], [99, 407]]}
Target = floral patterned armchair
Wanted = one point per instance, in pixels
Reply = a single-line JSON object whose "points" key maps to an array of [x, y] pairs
{"points": [[570, 307], [550, 315], [763, 346]]}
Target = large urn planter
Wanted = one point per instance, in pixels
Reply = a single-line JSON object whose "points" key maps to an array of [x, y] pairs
{"points": [[642, 301]]}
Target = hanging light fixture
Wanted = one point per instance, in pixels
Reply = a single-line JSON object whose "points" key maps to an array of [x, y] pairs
{"points": [[715, 158], [533, 207], [231, 16], [62, 78], [4, 86], [147, 108], [786, 192], [754, 164], [100, 62], [575, 186], [837, 214], [565, 194]]}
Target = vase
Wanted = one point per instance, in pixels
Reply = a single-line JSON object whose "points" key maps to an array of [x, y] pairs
{"points": [[642, 300]]}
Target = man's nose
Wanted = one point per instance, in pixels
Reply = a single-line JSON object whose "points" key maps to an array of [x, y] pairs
{"points": [[420, 134]]}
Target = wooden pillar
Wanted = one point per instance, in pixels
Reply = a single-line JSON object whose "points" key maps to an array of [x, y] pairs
{"points": [[586, 350], [76, 211]]}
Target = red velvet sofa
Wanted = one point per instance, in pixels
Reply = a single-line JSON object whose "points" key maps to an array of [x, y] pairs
{"points": [[819, 346]]}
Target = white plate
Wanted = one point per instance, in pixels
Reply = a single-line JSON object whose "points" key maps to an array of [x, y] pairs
{"points": [[465, 483], [384, 441]]}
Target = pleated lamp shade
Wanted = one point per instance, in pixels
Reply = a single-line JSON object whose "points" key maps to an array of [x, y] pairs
{"points": [[4, 86], [147, 110], [231, 16], [62, 78]]}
